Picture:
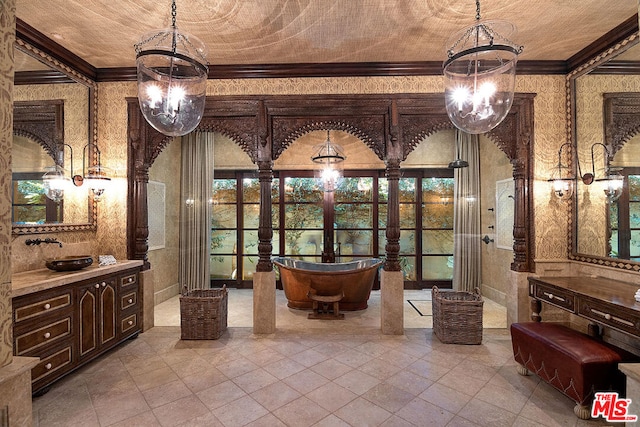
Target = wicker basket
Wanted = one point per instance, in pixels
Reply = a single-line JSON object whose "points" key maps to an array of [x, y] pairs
{"points": [[203, 313], [457, 316]]}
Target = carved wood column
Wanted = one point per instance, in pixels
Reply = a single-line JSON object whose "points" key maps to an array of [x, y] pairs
{"points": [[394, 155], [138, 167], [265, 177]]}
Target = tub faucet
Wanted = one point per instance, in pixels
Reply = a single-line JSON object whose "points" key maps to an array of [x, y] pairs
{"points": [[31, 242]]}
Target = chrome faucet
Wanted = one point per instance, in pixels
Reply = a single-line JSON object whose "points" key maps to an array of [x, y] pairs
{"points": [[31, 242]]}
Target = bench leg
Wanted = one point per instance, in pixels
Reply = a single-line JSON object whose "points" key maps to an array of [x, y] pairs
{"points": [[522, 370], [582, 412]]}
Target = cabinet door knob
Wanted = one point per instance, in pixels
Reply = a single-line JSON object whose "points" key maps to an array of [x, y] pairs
{"points": [[607, 316], [47, 306], [130, 322], [97, 285], [104, 284], [47, 366], [47, 334], [130, 300], [130, 279]]}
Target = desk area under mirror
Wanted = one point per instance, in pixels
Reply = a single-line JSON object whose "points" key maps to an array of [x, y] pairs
{"points": [[55, 109]]}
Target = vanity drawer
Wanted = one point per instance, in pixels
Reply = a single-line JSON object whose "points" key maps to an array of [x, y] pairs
{"points": [[129, 324], [26, 308], [45, 335], [554, 296], [128, 280], [129, 300], [623, 320], [53, 364]]}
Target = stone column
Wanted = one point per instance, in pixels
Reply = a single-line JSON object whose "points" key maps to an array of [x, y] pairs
{"points": [[15, 372]]}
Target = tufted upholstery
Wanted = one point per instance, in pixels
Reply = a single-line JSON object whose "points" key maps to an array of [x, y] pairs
{"points": [[570, 361]]}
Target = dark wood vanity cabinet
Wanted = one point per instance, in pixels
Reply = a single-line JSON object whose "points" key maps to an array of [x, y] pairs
{"points": [[69, 325]]}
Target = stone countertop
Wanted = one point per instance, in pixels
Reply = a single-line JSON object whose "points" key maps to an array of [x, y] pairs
{"points": [[28, 282]]}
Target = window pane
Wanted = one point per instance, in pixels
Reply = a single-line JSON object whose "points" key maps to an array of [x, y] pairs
{"points": [[223, 267], [251, 190], [383, 189], [354, 215], [355, 190], [437, 267], [438, 215], [354, 242], [437, 190], [407, 189], [224, 190], [634, 250], [29, 192], [634, 188], [303, 216], [634, 214], [223, 241], [29, 214], [613, 215], [407, 241], [250, 241], [408, 266], [249, 267], [407, 215], [302, 190], [382, 241], [382, 215], [251, 215], [437, 241], [299, 242], [613, 241], [223, 216]]}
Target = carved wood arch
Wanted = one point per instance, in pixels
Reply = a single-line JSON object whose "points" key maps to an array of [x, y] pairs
{"points": [[391, 125], [287, 131], [621, 119], [42, 122]]}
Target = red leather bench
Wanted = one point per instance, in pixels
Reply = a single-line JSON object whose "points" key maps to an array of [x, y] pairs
{"points": [[572, 362]]}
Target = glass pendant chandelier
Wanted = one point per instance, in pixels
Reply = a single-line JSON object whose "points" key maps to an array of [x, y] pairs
{"points": [[330, 157], [172, 79], [479, 75]]}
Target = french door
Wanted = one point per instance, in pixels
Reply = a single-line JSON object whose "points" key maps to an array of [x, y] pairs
{"points": [[343, 225]]}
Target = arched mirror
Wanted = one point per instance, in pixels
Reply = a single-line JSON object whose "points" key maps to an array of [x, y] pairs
{"points": [[54, 119]]}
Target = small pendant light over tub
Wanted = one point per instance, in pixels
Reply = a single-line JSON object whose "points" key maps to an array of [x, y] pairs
{"points": [[329, 157], [172, 79], [479, 75]]}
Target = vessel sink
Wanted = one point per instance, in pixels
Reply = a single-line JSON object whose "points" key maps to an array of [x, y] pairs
{"points": [[69, 263]]}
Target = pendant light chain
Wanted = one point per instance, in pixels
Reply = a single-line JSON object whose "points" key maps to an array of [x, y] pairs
{"points": [[477, 10]]}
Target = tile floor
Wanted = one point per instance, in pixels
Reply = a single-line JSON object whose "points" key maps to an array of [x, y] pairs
{"points": [[308, 373]]}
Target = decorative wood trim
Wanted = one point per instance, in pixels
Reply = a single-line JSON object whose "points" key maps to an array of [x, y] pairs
{"points": [[621, 119], [391, 125], [41, 121]]}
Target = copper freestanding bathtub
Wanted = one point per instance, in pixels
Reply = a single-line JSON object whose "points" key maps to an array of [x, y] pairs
{"points": [[356, 277]]}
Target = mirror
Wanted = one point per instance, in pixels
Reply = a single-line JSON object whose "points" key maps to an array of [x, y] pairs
{"points": [[54, 119], [607, 228]]}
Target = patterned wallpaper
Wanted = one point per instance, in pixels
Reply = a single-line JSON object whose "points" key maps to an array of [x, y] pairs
{"points": [[7, 35]]}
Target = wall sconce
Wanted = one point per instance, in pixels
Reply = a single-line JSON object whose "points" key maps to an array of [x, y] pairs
{"points": [[613, 181], [96, 176], [172, 79], [330, 157], [479, 75], [55, 182], [562, 183]]}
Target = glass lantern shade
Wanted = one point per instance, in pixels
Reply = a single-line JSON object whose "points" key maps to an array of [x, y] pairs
{"points": [[97, 180], [613, 186], [172, 81], [55, 182], [479, 78]]}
